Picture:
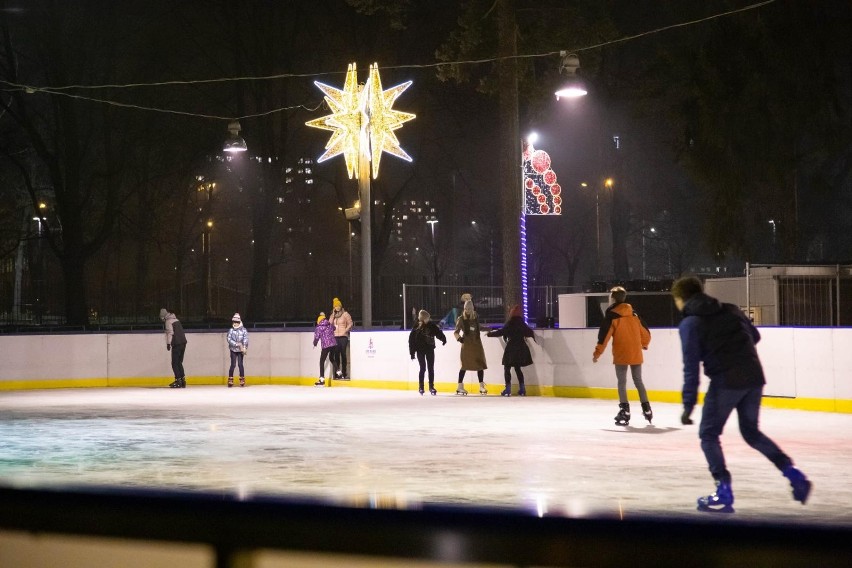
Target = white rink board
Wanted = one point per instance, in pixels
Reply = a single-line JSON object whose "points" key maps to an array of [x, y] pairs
{"points": [[813, 363]]}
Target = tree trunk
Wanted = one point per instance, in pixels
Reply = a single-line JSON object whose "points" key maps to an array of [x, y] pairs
{"points": [[510, 156], [74, 281]]}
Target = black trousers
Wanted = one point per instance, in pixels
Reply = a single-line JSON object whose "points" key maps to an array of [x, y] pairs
{"points": [[177, 360], [427, 361]]}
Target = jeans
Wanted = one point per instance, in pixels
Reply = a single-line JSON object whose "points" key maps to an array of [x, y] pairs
{"points": [[427, 361], [237, 357], [719, 402], [177, 360]]}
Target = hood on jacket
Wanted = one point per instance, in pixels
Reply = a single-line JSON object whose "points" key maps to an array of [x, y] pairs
{"points": [[621, 308], [701, 305]]}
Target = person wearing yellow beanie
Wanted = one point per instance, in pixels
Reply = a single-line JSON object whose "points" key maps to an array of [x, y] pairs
{"points": [[342, 322]]}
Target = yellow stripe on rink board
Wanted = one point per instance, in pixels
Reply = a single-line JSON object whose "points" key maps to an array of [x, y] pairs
{"points": [[808, 404]]}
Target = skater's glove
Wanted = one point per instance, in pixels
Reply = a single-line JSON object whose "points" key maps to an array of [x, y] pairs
{"points": [[168, 347], [685, 419]]}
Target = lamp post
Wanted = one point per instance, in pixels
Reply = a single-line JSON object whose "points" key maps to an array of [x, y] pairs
{"points": [[206, 277], [652, 230]]}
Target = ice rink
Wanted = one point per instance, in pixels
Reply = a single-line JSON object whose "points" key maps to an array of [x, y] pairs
{"points": [[555, 456]]}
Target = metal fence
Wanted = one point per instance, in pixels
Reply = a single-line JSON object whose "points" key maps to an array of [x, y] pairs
{"points": [[799, 296]]}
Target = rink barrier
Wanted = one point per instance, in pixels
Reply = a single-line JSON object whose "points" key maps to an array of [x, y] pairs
{"points": [[159, 529], [806, 368]]}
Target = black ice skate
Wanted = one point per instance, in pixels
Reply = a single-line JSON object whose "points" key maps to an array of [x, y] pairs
{"points": [[647, 412], [623, 416]]}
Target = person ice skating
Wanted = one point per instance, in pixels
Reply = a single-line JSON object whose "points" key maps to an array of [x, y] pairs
{"points": [[722, 337], [472, 354], [237, 346], [324, 335], [630, 336], [176, 343], [342, 322], [421, 342], [517, 352]]}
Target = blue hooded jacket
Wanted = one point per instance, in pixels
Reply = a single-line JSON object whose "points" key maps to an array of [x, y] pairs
{"points": [[723, 338]]}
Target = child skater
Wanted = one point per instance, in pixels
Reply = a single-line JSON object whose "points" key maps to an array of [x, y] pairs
{"points": [[421, 342], [324, 334], [630, 336], [472, 354], [238, 346], [517, 353]]}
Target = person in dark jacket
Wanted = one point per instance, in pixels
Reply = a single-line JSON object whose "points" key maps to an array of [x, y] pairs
{"points": [[421, 342], [176, 343], [723, 338], [630, 336], [517, 352]]}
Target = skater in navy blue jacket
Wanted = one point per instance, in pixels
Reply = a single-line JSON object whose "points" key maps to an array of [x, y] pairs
{"points": [[723, 338]]}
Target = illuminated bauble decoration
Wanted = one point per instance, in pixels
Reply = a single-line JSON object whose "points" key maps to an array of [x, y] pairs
{"points": [[536, 190], [544, 209], [362, 120], [529, 183], [557, 209], [556, 189], [549, 177], [540, 161], [557, 200], [541, 198]]}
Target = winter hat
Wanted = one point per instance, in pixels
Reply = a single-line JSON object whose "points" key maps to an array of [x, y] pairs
{"points": [[336, 303], [515, 312], [424, 316], [236, 318], [468, 306], [321, 317], [466, 297], [163, 313]]}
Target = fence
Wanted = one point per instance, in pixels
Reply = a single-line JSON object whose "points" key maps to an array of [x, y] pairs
{"points": [[798, 296]]}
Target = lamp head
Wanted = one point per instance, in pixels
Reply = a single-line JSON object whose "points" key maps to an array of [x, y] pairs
{"points": [[235, 142]]}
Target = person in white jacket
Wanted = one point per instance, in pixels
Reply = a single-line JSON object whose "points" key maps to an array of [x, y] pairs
{"points": [[238, 346]]}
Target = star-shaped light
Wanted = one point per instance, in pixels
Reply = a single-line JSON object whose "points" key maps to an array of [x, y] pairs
{"points": [[362, 120]]}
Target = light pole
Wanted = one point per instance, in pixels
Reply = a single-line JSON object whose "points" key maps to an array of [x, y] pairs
{"points": [[205, 251], [653, 231]]}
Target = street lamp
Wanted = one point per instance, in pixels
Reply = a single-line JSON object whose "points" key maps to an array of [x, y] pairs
{"points": [[432, 225], [653, 231], [235, 143], [574, 88]]}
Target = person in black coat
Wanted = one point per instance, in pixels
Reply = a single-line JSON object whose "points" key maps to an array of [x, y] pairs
{"points": [[517, 353], [421, 342]]}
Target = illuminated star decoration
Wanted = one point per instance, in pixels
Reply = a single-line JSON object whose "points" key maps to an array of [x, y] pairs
{"points": [[362, 120], [542, 194]]}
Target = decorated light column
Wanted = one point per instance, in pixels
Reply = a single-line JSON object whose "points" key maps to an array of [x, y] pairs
{"points": [[362, 122]]}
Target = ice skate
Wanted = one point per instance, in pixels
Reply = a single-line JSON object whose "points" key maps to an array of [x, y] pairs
{"points": [[522, 390], [507, 391], [623, 416], [432, 391], [175, 384], [719, 502], [242, 381], [647, 412], [801, 485], [230, 382], [460, 390], [319, 383], [421, 391], [483, 390]]}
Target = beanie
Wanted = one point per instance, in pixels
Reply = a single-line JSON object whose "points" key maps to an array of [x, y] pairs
{"points": [[321, 317], [163, 313], [236, 318], [336, 303]]}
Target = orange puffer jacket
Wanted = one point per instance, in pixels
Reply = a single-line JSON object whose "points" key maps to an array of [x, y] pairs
{"points": [[629, 335]]}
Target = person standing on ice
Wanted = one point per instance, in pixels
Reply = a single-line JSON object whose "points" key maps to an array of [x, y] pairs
{"points": [[342, 322], [176, 344], [722, 337], [472, 354], [630, 336], [237, 346], [421, 343], [324, 335], [517, 352]]}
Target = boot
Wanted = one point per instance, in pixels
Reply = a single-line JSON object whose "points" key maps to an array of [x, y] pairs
{"points": [[230, 382], [522, 390], [646, 411], [483, 390], [242, 381], [432, 390], [719, 502], [801, 485], [508, 390], [623, 416]]}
